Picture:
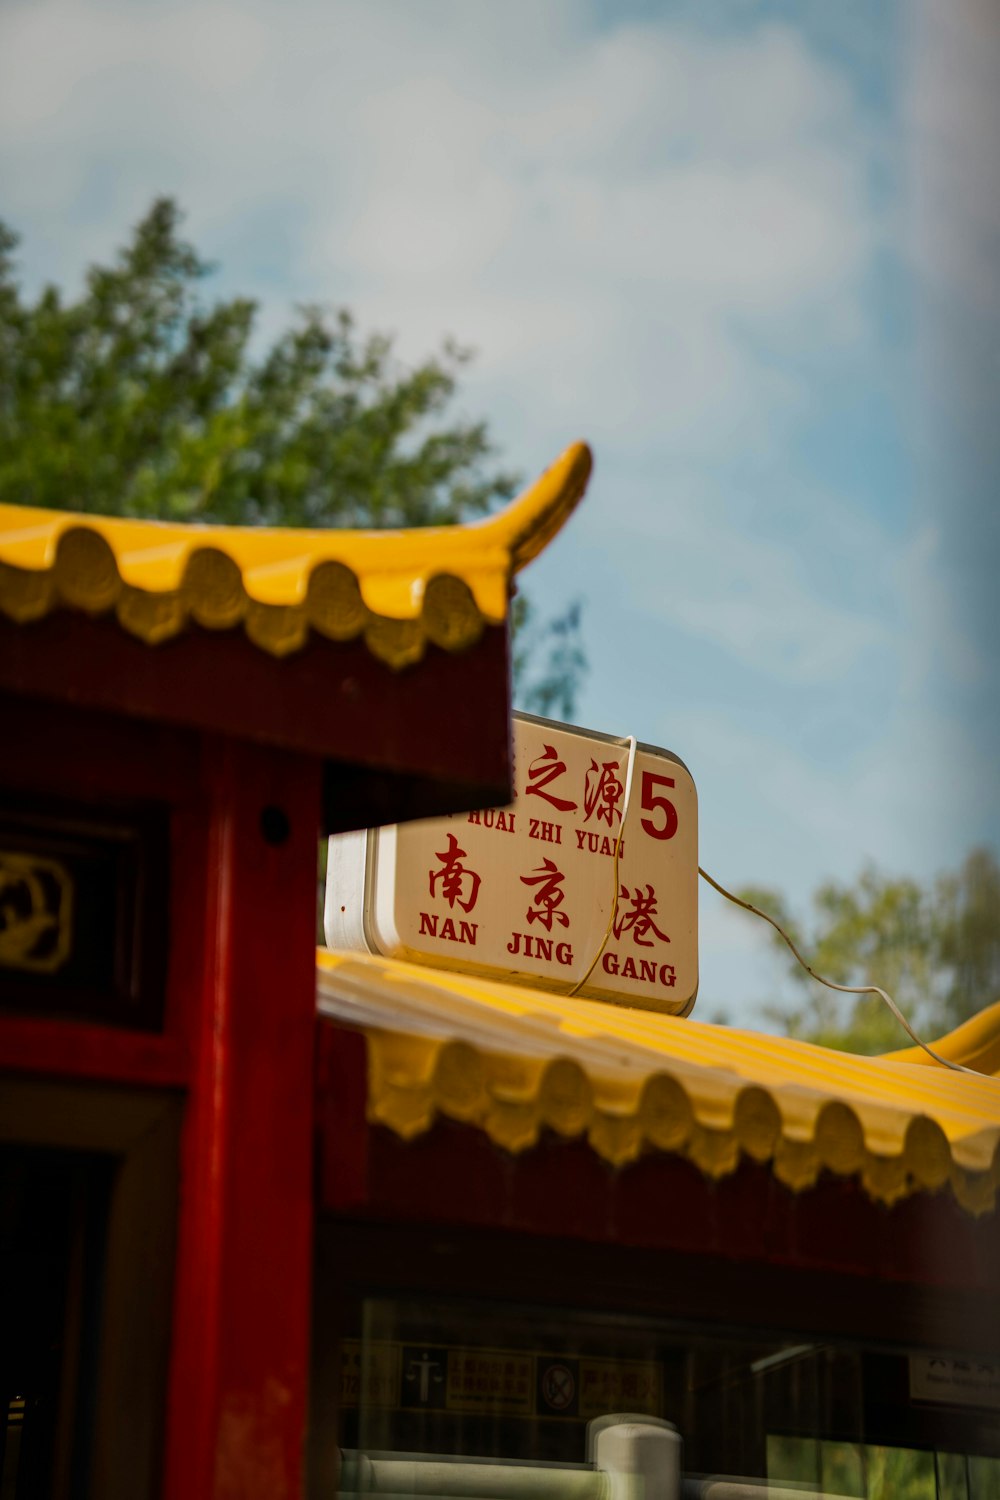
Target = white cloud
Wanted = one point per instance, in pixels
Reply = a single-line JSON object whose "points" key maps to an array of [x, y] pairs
{"points": [[938, 643], [57, 54], [602, 215], [771, 814], [653, 239], [774, 599], [609, 232], [953, 127]]}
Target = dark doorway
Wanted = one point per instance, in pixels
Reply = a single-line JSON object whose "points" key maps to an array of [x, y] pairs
{"points": [[53, 1222]]}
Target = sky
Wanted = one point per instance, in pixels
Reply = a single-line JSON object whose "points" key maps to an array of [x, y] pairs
{"points": [[748, 251]]}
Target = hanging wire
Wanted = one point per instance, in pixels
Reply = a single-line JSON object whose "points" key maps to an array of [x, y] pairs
{"points": [[630, 768], [846, 989]]}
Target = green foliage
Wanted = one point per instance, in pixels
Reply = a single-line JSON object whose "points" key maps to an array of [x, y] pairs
{"points": [[870, 1471], [142, 399], [969, 940], [934, 948], [548, 660]]}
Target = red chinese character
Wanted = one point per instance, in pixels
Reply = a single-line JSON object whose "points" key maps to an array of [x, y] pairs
{"points": [[545, 769], [639, 920], [455, 879], [549, 896], [602, 792]]}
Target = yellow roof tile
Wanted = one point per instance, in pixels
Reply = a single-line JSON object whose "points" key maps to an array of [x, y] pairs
{"points": [[400, 589], [512, 1061], [974, 1044]]}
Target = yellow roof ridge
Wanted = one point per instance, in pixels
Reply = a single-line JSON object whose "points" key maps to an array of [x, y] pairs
{"points": [[514, 1061], [399, 589], [974, 1044]]}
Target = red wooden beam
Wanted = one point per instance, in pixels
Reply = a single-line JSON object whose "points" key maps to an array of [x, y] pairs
{"points": [[438, 731], [239, 1361], [106, 1054]]}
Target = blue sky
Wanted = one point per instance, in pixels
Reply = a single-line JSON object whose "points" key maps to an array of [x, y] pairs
{"points": [[748, 250]]}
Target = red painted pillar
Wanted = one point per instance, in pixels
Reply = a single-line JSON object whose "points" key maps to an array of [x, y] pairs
{"points": [[239, 1360]]}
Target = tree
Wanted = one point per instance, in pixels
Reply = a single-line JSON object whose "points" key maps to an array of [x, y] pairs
{"points": [[141, 399], [934, 948], [549, 660], [969, 935]]}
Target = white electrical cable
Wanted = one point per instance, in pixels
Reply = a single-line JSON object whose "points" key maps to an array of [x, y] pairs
{"points": [[629, 769], [846, 989]]}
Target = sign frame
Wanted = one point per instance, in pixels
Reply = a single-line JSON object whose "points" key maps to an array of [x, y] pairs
{"points": [[366, 867]]}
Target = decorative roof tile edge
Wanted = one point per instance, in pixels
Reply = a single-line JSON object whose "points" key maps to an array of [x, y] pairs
{"points": [[413, 1079], [398, 590], [974, 1044]]}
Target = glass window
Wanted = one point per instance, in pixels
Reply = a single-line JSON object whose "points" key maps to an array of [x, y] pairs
{"points": [[876, 1471], [451, 1397]]}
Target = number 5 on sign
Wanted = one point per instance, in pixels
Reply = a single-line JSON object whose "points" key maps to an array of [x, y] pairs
{"points": [[653, 802]]}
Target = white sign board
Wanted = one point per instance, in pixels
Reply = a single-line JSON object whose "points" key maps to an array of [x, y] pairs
{"points": [[525, 892], [960, 1382]]}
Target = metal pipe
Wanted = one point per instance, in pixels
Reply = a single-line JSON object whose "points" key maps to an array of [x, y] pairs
{"points": [[470, 1481], [724, 1487]]}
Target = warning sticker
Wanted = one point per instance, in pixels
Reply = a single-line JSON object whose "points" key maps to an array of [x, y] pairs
{"points": [[558, 1387], [619, 1385], [369, 1373], [496, 1380], [507, 1382], [425, 1376]]}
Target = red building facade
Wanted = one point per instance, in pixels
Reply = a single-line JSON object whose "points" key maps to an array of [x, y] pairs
{"points": [[184, 712], [255, 1247]]}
